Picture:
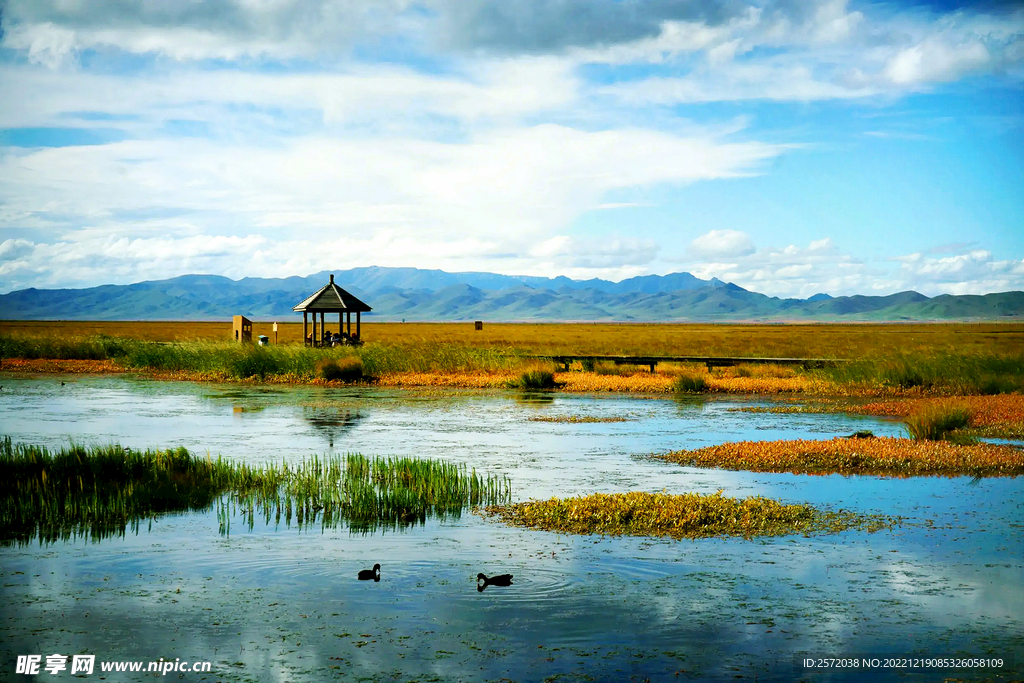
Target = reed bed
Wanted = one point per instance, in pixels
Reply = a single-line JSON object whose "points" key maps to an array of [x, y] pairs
{"points": [[689, 515], [944, 372], [882, 456], [99, 492], [244, 361]]}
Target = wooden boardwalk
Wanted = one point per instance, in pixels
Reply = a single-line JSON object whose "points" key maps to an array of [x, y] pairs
{"points": [[710, 361]]}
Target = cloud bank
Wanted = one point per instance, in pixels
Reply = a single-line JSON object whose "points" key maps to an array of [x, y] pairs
{"points": [[146, 140]]}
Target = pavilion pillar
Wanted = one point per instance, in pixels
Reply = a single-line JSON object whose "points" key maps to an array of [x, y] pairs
{"points": [[357, 325], [323, 326], [304, 333], [348, 317]]}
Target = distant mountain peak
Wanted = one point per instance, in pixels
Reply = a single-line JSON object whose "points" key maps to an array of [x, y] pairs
{"points": [[417, 294]]}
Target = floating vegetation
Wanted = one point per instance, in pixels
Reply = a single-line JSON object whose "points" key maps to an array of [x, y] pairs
{"points": [[100, 492], [573, 419], [883, 456], [689, 515]]}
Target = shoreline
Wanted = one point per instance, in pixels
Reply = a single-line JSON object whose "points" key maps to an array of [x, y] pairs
{"points": [[567, 381], [997, 415]]}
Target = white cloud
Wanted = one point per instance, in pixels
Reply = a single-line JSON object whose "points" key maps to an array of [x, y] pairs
{"points": [[523, 179], [722, 243], [968, 272], [795, 271], [933, 61], [576, 254]]}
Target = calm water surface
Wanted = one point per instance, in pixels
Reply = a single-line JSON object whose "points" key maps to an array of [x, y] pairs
{"points": [[277, 603]]}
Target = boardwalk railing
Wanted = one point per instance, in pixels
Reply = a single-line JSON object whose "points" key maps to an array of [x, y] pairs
{"points": [[711, 361]]}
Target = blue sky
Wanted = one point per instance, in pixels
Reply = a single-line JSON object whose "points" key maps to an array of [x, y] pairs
{"points": [[791, 147]]}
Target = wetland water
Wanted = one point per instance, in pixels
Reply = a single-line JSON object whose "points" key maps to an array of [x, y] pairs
{"points": [[277, 603]]}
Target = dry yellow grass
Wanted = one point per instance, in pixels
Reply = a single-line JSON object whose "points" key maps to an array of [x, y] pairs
{"points": [[890, 457], [460, 380], [52, 365], [796, 340]]}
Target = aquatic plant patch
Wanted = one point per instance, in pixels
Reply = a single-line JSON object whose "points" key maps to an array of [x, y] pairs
{"points": [[688, 515], [884, 456], [101, 491], [996, 415]]}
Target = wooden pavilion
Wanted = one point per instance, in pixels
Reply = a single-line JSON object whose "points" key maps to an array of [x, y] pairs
{"points": [[331, 299]]}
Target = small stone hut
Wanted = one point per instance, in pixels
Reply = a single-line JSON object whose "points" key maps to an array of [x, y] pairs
{"points": [[242, 329]]}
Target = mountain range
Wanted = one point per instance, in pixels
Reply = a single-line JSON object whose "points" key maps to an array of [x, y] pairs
{"points": [[434, 295]]}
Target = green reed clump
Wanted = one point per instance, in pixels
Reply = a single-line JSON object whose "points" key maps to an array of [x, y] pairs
{"points": [[536, 378], [349, 369], [690, 384], [937, 421], [371, 493], [689, 515]]}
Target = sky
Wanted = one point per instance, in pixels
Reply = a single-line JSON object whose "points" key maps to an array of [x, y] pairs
{"points": [[791, 147]]}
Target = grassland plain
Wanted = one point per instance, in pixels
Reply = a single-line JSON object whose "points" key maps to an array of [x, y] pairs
{"points": [[826, 340]]}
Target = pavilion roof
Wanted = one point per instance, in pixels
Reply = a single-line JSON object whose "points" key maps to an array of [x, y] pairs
{"points": [[332, 298]]}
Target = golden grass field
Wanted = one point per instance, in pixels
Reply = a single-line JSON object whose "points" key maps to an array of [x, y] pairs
{"points": [[826, 340]]}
